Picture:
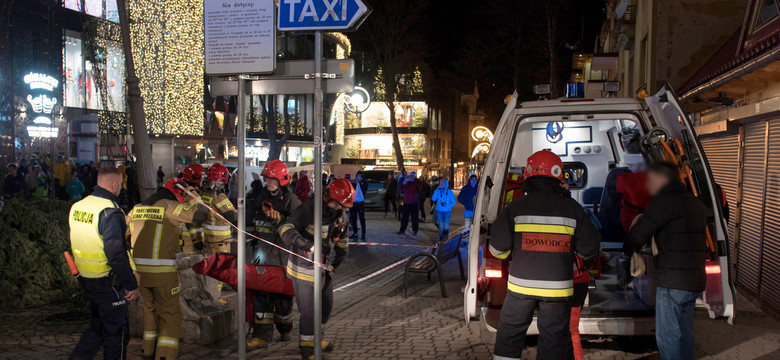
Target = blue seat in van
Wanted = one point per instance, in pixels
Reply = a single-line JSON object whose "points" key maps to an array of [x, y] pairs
{"points": [[609, 213]]}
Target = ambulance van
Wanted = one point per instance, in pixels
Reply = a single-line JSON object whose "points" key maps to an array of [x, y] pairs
{"points": [[597, 139]]}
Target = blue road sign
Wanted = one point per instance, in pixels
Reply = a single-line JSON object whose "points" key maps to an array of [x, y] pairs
{"points": [[319, 14]]}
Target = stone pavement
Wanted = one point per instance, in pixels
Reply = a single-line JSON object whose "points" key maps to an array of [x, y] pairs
{"points": [[372, 321]]}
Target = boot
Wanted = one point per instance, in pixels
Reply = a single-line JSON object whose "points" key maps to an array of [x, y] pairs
{"points": [[257, 344], [284, 336]]}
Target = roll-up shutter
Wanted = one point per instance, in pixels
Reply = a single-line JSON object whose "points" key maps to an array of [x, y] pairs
{"points": [[723, 156], [770, 251], [752, 204]]}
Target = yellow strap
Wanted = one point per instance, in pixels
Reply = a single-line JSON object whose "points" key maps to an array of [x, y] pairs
{"points": [[502, 255], [342, 244], [543, 228], [155, 269], [224, 202], [551, 293], [216, 232], [297, 275]]}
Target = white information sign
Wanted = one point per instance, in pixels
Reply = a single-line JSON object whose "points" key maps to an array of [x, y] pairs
{"points": [[239, 36]]}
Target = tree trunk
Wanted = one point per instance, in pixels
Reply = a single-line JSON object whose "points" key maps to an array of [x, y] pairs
{"points": [[399, 156], [135, 104]]}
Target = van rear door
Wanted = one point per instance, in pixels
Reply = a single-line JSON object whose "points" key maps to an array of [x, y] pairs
{"points": [[669, 115]]}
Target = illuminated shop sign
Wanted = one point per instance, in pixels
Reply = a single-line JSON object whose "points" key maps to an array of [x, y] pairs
{"points": [[391, 162], [42, 101]]}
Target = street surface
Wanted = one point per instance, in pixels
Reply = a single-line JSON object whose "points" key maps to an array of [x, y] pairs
{"points": [[372, 321]]}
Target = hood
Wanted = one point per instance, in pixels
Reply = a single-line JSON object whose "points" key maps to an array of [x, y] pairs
{"points": [[444, 184]]}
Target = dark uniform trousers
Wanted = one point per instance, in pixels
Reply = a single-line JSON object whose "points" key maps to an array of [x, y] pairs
{"points": [[517, 314], [304, 298], [108, 326], [271, 308]]}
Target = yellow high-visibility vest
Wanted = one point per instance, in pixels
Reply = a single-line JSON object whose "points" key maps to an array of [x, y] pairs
{"points": [[85, 239]]}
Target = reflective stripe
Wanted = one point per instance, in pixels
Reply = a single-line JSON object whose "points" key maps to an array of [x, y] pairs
{"points": [[155, 269], [300, 269], [549, 229], [143, 261], [342, 244], [551, 293], [285, 227], [309, 343], [223, 202], [546, 220], [86, 242], [496, 357], [150, 335], [306, 338], [168, 341], [541, 284], [499, 254], [265, 230], [264, 321], [157, 236], [297, 275], [265, 315], [215, 227], [178, 209]]}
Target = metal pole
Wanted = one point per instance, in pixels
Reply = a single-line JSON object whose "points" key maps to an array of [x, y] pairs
{"points": [[317, 132], [241, 217]]}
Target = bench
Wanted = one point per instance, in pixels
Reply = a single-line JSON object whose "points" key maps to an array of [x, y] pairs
{"points": [[426, 262]]}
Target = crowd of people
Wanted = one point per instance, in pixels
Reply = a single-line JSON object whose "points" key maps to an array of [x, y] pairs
{"points": [[63, 179]]}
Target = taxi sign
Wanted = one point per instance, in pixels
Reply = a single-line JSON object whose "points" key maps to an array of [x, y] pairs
{"points": [[319, 14]]}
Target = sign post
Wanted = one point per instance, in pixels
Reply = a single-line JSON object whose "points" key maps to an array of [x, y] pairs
{"points": [[239, 39], [319, 15]]}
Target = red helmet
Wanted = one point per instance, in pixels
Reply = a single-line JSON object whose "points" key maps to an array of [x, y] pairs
{"points": [[178, 192], [218, 173], [544, 163], [341, 191], [193, 173], [276, 169]]}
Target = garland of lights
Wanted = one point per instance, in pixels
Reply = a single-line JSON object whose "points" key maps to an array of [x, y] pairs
{"points": [[168, 52]]}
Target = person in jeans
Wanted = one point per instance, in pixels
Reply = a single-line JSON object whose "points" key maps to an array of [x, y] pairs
{"points": [[409, 190], [677, 220], [466, 197], [390, 195], [358, 209], [445, 200]]}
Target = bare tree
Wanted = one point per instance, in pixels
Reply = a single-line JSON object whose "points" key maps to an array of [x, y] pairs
{"points": [[271, 119], [393, 39], [143, 148]]}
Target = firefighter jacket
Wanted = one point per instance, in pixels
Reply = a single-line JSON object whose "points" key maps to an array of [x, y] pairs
{"points": [[191, 235], [267, 224], [298, 233], [216, 230], [155, 226], [543, 230], [97, 238]]}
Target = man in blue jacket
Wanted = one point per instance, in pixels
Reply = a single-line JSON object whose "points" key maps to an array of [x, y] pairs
{"points": [[359, 206], [466, 197]]}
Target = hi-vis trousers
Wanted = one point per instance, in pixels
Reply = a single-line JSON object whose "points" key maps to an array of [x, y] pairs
{"points": [[162, 321], [304, 298]]}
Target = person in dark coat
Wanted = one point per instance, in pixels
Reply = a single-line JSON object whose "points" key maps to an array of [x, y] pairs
{"points": [[677, 220], [13, 183], [410, 190], [466, 197], [390, 195], [425, 191]]}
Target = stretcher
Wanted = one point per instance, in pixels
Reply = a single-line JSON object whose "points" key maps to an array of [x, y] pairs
{"points": [[222, 266]]}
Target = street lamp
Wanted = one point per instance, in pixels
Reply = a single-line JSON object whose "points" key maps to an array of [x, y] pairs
{"points": [[358, 100]]}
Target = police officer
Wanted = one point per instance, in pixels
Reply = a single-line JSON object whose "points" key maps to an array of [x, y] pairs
{"points": [[97, 239], [217, 232], [192, 236], [298, 233], [270, 207], [542, 230], [155, 225]]}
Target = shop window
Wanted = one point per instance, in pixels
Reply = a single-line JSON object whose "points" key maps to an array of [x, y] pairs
{"points": [[766, 11], [104, 9], [86, 83]]}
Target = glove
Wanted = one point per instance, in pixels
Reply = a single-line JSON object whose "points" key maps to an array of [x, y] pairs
{"points": [[272, 214]]}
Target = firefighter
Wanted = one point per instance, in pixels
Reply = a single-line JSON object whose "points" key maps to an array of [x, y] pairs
{"points": [[543, 231], [97, 239], [298, 233], [271, 206], [217, 232], [192, 236], [155, 226]]}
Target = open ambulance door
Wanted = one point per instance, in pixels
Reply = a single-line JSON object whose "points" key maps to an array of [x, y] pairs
{"points": [[671, 124]]}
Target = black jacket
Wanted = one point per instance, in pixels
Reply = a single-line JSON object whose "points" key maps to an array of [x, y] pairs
{"points": [[542, 231], [268, 229], [678, 221], [298, 233]]}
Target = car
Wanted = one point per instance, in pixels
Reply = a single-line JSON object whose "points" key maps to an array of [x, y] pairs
{"points": [[595, 138], [377, 187]]}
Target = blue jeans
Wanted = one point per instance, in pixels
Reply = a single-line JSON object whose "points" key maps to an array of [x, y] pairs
{"points": [[674, 322], [444, 223]]}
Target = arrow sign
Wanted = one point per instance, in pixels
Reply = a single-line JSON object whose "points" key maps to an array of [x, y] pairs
{"points": [[319, 14]]}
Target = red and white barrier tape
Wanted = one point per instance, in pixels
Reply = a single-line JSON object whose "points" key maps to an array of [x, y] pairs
{"points": [[342, 287], [384, 244], [198, 199]]}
